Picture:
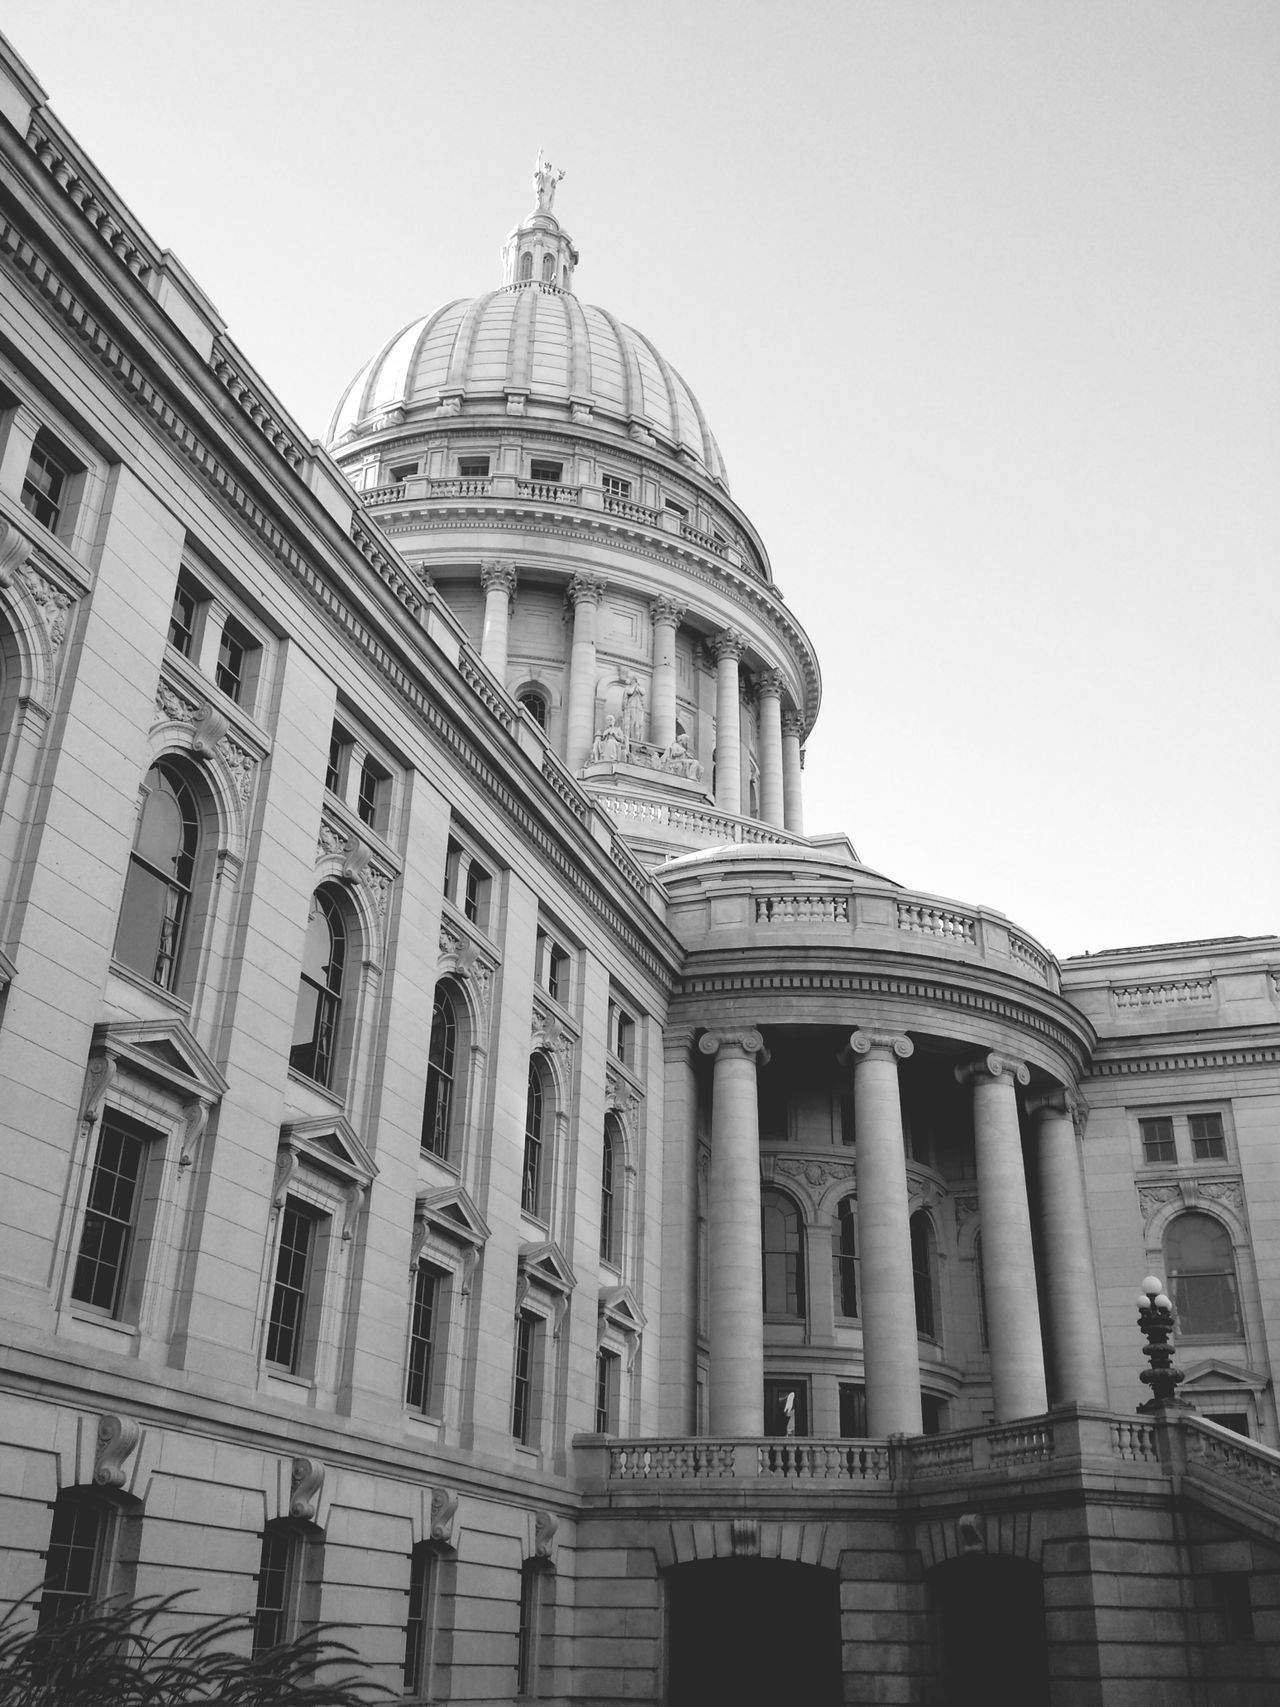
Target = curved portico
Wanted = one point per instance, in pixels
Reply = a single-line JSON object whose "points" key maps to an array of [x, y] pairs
{"points": [[922, 1060]]}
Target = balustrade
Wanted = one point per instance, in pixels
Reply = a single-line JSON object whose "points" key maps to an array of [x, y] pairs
{"points": [[551, 491], [802, 909], [937, 921]]}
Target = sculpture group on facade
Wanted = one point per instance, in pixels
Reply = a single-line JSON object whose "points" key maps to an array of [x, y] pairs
{"points": [[622, 741]]}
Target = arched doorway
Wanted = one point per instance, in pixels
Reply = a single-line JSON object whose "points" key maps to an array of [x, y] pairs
{"points": [[991, 1631], [742, 1632]]}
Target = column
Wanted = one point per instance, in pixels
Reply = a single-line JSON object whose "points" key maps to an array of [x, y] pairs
{"points": [[888, 1294], [499, 582], [678, 1341], [727, 649], [584, 595], [769, 693], [666, 616], [793, 803], [1076, 1359], [737, 1299], [1008, 1262]]}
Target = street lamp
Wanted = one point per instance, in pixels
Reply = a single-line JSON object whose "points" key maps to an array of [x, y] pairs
{"points": [[1155, 1318]]}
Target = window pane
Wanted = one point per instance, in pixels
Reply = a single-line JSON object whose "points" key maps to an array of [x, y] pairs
{"points": [[422, 1331], [1157, 1140], [271, 1612], [1201, 1267], [289, 1294], [1208, 1141], [42, 487], [782, 1256], [845, 1249], [922, 1272], [108, 1221], [416, 1628]]}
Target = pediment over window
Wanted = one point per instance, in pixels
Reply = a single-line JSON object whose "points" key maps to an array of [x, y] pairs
{"points": [[545, 1265], [330, 1143], [163, 1051], [452, 1213], [619, 1308], [1216, 1375]]}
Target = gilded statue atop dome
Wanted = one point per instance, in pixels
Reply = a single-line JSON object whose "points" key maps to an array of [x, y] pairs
{"points": [[545, 178]]}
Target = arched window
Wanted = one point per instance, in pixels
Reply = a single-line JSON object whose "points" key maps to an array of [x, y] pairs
{"points": [[526, 266], [923, 1272], [535, 704], [782, 1246], [608, 1206], [548, 269], [437, 1111], [531, 1181], [157, 889], [844, 1251], [315, 1026], [1202, 1277]]}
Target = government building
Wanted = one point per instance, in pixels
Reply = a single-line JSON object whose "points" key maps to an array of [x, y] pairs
{"points": [[477, 1175]]}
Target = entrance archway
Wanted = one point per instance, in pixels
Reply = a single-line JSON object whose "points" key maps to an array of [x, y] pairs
{"points": [[751, 1632], [992, 1632]]}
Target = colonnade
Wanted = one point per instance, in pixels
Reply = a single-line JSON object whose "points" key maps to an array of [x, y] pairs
{"points": [[780, 733], [886, 1285]]}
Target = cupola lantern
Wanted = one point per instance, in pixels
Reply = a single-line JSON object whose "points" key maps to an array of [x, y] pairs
{"points": [[538, 251]]}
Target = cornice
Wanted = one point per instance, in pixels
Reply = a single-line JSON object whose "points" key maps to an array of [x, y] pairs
{"points": [[146, 396], [1203, 1058], [766, 984]]}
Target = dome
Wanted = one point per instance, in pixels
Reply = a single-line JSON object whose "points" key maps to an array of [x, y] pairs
{"points": [[536, 342]]}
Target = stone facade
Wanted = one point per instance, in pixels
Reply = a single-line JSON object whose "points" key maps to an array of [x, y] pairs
{"points": [[477, 1175]]}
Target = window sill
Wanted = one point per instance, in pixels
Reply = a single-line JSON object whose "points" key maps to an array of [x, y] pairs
{"points": [[298, 1389], [106, 1332], [333, 1098], [166, 998], [193, 679]]}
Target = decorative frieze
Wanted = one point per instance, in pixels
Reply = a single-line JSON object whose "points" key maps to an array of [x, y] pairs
{"points": [[817, 1174], [15, 549], [360, 867], [550, 1035], [1188, 1192]]}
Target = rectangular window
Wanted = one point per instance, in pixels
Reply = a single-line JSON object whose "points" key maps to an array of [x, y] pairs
{"points": [[73, 1561], [1234, 1605], [1208, 1141], [524, 1392], [44, 486], [615, 486], [853, 1410], [339, 741], [677, 510], [286, 1324], [608, 1365], [473, 467], [110, 1217], [550, 473], [475, 895], [182, 618], [401, 471], [277, 1587], [371, 800], [1157, 1140], [786, 1407], [622, 1035], [425, 1338], [933, 1412], [418, 1627], [553, 968], [527, 1641], [234, 650]]}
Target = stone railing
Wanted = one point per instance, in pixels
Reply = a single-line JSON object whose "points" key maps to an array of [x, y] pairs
{"points": [[627, 510], [937, 921], [1174, 992], [802, 909], [700, 1460], [548, 490], [1249, 1466], [697, 826]]}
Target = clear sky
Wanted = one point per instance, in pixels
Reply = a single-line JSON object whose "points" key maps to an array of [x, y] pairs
{"points": [[979, 296]]}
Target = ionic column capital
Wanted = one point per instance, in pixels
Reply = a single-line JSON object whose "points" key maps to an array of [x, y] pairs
{"points": [[664, 609], [500, 572], [585, 590], [793, 724], [729, 643], [744, 1040], [881, 1045], [1060, 1100], [769, 682], [993, 1067]]}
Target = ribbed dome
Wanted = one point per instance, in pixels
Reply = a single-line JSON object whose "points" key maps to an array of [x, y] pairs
{"points": [[537, 340]]}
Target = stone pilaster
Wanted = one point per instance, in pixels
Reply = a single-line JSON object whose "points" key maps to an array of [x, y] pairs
{"points": [[584, 595], [1008, 1261], [888, 1300], [737, 1301], [1076, 1359], [727, 649], [499, 582]]}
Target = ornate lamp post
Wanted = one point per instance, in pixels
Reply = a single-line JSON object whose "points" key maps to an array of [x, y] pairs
{"points": [[1155, 1318]]}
